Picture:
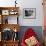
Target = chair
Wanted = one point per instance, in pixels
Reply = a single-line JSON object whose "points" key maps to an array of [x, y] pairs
{"points": [[29, 33]]}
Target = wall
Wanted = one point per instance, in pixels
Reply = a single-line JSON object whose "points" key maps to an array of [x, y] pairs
{"points": [[27, 4], [39, 13], [7, 3]]}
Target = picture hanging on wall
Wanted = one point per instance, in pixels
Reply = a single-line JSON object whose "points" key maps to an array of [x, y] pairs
{"points": [[29, 13]]}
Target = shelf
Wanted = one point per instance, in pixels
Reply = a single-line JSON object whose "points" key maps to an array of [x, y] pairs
{"points": [[6, 12], [11, 41], [10, 26], [9, 10], [7, 16]]}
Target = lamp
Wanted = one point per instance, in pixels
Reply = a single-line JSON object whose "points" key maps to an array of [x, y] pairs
{"points": [[15, 3]]}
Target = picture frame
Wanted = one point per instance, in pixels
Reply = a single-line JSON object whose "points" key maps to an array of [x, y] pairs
{"points": [[29, 13], [5, 12], [13, 12]]}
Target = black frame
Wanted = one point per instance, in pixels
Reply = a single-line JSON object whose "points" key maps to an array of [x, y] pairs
{"points": [[26, 12]]}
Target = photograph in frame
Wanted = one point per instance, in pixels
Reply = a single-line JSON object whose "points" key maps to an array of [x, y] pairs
{"points": [[29, 13]]}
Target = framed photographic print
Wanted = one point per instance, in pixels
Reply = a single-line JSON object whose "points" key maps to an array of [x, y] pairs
{"points": [[5, 12], [29, 13]]}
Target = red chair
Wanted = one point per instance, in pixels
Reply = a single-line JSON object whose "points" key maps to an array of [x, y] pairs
{"points": [[29, 33]]}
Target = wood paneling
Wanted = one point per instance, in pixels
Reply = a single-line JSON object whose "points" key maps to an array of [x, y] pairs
{"points": [[10, 43], [10, 26]]}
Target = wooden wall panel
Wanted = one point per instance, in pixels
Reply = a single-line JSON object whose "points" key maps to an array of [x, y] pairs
{"points": [[11, 26]]}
